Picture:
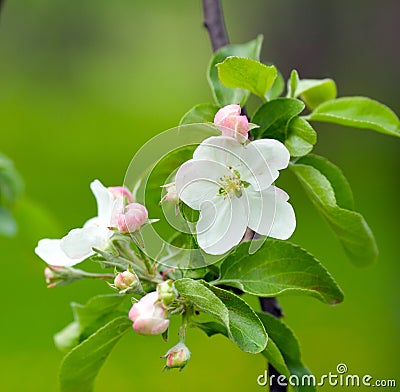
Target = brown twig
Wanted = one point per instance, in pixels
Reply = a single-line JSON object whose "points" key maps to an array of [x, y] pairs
{"points": [[214, 23]]}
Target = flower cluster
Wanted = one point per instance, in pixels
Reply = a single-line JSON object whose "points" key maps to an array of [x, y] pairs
{"points": [[230, 180]]}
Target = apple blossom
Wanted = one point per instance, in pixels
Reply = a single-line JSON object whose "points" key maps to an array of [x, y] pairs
{"points": [[229, 121], [78, 244], [149, 316], [133, 217], [231, 185]]}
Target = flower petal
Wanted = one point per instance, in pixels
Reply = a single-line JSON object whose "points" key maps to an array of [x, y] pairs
{"points": [[50, 251], [150, 325], [223, 149], [197, 181], [261, 161], [270, 213], [78, 243], [105, 201], [222, 224]]}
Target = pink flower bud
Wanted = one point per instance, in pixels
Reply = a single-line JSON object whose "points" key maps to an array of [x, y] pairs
{"points": [[60, 276], [231, 123], [134, 217], [51, 277], [126, 280], [119, 192], [177, 357], [149, 316]]}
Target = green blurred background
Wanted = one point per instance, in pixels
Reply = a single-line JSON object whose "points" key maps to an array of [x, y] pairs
{"points": [[84, 84]]}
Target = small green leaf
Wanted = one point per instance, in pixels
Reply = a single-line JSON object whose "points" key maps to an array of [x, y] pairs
{"points": [[330, 192], [203, 298], [242, 325], [358, 112], [300, 137], [274, 116], [288, 346], [314, 92], [276, 268], [247, 74], [225, 95], [277, 88], [204, 112], [8, 226], [81, 365], [292, 84], [87, 319]]}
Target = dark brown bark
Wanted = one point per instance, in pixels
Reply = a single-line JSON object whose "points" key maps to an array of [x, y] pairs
{"points": [[214, 23]]}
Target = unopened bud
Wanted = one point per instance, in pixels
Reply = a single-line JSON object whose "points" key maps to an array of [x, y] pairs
{"points": [[149, 316], [167, 293], [126, 281], [171, 195], [60, 276], [119, 192], [229, 121], [134, 217], [177, 357]]}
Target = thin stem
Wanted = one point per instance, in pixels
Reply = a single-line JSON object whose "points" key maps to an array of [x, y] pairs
{"points": [[90, 275], [183, 328]]}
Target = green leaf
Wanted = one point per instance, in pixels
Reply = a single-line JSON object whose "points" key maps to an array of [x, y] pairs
{"points": [[81, 365], [314, 92], [358, 112], [288, 346], [274, 116], [98, 311], [204, 112], [331, 194], [277, 88], [300, 137], [242, 325], [225, 95], [11, 184], [247, 74], [279, 267], [340, 185], [8, 226], [292, 84]]}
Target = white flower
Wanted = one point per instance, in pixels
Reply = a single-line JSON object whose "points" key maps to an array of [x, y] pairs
{"points": [[78, 244], [231, 185]]}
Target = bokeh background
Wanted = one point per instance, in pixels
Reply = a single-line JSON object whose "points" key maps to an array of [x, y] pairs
{"points": [[83, 84]]}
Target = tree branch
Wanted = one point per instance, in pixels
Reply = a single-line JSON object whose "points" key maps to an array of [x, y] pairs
{"points": [[214, 23]]}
